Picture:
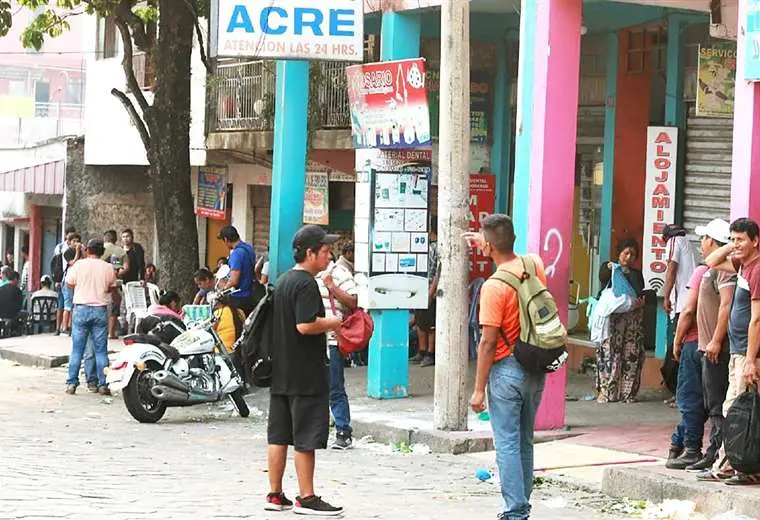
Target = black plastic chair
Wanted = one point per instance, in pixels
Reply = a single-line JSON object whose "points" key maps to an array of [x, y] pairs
{"points": [[43, 314]]}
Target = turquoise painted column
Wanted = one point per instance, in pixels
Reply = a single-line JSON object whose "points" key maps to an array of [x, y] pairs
{"points": [[605, 226], [547, 111], [675, 115], [501, 153], [288, 162], [388, 370]]}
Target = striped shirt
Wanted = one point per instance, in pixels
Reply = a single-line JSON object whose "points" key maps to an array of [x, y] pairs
{"points": [[343, 278]]}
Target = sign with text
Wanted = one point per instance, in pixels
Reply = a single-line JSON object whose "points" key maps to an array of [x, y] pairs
{"points": [[480, 103], [211, 197], [391, 234], [482, 204], [316, 202], [288, 29], [659, 201], [389, 105], [716, 79]]}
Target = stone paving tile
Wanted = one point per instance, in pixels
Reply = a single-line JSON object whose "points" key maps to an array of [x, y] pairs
{"points": [[84, 457]]}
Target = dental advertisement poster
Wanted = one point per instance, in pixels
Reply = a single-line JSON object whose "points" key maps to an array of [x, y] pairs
{"points": [[398, 216], [389, 104]]}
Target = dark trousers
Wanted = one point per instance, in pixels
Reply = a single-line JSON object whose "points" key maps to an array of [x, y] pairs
{"points": [[714, 388], [690, 399]]}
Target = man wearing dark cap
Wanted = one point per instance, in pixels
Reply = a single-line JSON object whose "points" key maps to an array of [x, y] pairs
{"points": [[242, 261], [299, 403], [92, 280]]}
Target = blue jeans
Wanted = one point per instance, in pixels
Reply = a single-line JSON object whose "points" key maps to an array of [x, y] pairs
{"points": [[89, 322], [90, 367], [691, 403], [513, 399], [338, 398]]}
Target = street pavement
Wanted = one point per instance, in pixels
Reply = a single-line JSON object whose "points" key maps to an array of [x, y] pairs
{"points": [[83, 456]]}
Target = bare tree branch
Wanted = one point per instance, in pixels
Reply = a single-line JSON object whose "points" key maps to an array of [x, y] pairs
{"points": [[126, 64], [190, 5], [136, 25], [133, 116]]}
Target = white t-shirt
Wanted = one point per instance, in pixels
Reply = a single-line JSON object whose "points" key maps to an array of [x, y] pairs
{"points": [[683, 252], [344, 280]]}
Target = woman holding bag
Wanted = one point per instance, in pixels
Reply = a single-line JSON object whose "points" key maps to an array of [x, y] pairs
{"points": [[620, 356]]}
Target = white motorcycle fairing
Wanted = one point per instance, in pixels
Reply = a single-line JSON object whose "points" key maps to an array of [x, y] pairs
{"points": [[123, 366]]}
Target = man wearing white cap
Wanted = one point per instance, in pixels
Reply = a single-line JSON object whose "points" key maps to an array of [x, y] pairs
{"points": [[710, 295]]}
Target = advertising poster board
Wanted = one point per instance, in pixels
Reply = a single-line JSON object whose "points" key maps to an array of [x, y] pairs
{"points": [[716, 77], [482, 204], [211, 196], [316, 201]]}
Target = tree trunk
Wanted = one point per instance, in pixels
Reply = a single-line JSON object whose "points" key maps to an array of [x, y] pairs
{"points": [[169, 154]]}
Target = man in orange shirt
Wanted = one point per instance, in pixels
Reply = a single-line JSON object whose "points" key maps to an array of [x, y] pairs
{"points": [[513, 393]]}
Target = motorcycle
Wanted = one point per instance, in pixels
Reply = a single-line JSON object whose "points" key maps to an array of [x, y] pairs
{"points": [[171, 367]]}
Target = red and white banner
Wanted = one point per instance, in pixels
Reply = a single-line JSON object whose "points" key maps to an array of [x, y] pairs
{"points": [[389, 104], [482, 204], [659, 201]]}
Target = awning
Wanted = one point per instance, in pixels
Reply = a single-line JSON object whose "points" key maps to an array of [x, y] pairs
{"points": [[43, 179]]}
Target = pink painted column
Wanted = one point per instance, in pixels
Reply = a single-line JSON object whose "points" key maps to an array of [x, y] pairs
{"points": [[545, 156], [745, 174]]}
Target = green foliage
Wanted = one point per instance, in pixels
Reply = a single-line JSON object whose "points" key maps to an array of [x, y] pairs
{"points": [[49, 23], [147, 14]]}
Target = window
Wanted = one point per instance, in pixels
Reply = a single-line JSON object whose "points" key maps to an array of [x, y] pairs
{"points": [[74, 91], [17, 88]]}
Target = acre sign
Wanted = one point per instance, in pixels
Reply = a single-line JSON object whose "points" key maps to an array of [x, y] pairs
{"points": [[659, 198], [288, 29]]}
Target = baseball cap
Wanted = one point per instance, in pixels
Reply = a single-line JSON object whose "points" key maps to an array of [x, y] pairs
{"points": [[717, 229], [312, 237]]}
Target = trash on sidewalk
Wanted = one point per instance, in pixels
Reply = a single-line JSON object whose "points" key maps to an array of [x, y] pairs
{"points": [[555, 503], [671, 510], [482, 474]]}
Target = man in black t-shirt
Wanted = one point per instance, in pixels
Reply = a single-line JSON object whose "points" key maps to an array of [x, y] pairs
{"points": [[136, 254], [299, 410]]}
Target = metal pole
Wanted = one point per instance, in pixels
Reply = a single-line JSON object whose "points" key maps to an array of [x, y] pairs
{"points": [[453, 207]]}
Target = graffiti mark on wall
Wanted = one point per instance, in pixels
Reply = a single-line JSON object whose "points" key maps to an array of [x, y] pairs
{"points": [[551, 267]]}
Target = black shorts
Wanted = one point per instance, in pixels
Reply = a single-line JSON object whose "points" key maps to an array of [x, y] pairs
{"points": [[302, 421], [425, 318]]}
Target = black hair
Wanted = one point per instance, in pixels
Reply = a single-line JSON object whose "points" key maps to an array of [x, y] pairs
{"points": [[96, 249], [110, 235], [13, 276], [72, 236], [223, 259], [70, 229], [229, 233], [151, 265], [203, 274], [46, 282], [625, 243], [129, 232], [500, 232], [745, 225], [168, 297]]}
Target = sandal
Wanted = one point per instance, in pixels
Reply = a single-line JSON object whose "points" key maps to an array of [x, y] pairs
{"points": [[714, 476], [742, 479]]}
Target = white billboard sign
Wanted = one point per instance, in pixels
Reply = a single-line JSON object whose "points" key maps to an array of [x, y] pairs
{"points": [[659, 201], [288, 29]]}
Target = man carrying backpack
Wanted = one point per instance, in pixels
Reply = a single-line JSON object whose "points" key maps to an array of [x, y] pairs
{"points": [[514, 391]]}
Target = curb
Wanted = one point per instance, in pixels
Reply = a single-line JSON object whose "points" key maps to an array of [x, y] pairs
{"points": [[455, 443], [710, 498], [32, 360]]}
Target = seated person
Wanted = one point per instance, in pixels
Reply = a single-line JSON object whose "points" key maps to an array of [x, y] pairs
{"points": [[46, 289], [168, 304], [204, 279], [4, 272], [12, 303]]}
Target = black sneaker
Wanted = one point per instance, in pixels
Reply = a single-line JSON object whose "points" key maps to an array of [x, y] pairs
{"points": [[342, 441], [704, 464], [278, 502], [687, 458], [673, 454], [315, 506], [428, 361], [92, 386]]}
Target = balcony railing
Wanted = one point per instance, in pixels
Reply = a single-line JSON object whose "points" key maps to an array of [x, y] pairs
{"points": [[241, 96]]}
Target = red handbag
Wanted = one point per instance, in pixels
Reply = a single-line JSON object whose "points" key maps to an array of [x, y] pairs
{"points": [[355, 331]]}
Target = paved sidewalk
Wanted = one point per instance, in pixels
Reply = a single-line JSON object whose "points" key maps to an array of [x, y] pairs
{"points": [[43, 350]]}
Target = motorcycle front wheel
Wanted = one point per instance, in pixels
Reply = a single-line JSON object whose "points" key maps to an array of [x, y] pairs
{"points": [[239, 402], [137, 397]]}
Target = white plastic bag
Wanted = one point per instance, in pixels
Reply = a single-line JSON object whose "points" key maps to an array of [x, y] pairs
{"points": [[609, 303]]}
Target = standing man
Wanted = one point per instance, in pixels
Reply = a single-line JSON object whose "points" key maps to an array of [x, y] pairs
{"points": [[70, 257], [338, 280], [25, 286], [92, 280], [425, 318], [242, 262], [119, 260], [136, 254], [513, 393], [299, 413], [742, 257], [57, 268]]}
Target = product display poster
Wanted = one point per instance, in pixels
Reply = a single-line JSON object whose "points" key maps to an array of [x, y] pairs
{"points": [[389, 105], [211, 199], [399, 238]]}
